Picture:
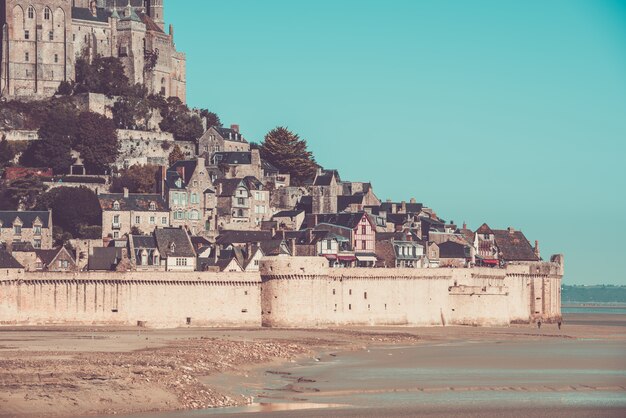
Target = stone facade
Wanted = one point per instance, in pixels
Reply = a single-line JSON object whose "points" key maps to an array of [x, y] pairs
{"points": [[123, 212], [26, 227], [217, 139], [41, 40]]}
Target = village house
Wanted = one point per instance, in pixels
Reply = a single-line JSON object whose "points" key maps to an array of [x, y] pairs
{"points": [[189, 192], [362, 232], [52, 260], [34, 227], [218, 139], [454, 254], [144, 253], [398, 249], [126, 213], [324, 191], [290, 220], [498, 247], [241, 203], [175, 249]]}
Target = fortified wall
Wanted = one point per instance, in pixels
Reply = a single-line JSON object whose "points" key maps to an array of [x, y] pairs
{"points": [[287, 292], [305, 292], [151, 299]]}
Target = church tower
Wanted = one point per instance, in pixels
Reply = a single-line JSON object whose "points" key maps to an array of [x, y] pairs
{"points": [[154, 9]]}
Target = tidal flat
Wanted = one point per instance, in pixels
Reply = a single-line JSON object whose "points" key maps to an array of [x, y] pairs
{"points": [[579, 370]]}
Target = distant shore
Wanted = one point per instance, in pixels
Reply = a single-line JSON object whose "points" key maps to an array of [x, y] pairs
{"points": [[54, 371]]}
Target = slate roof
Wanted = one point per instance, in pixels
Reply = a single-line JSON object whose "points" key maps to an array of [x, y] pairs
{"points": [[104, 259], [347, 220], [48, 256], [229, 135], [22, 247], [185, 168], [343, 202], [78, 179], [199, 242], [182, 244], [83, 13], [144, 241], [268, 168], [242, 237], [229, 186], [287, 214], [150, 24], [272, 247], [514, 246], [27, 217], [325, 178], [7, 261], [220, 263], [135, 202], [451, 249], [233, 158]]}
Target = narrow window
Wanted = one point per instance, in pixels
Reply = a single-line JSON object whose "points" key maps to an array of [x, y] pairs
{"points": [[349, 306], [31, 12], [350, 292], [26, 57], [365, 295], [26, 34], [51, 35], [46, 14], [56, 58]]}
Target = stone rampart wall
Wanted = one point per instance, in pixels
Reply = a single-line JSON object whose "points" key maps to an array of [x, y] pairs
{"points": [[146, 298], [305, 292]]}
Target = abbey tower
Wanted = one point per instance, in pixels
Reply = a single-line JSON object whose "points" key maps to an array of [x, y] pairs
{"points": [[41, 40]]}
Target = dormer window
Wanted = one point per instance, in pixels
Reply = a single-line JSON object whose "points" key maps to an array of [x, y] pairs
{"points": [[172, 247], [152, 206], [116, 205]]}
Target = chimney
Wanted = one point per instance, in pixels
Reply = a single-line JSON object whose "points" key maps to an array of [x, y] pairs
{"points": [[216, 253], [511, 229], [394, 209], [403, 205], [315, 220], [235, 128], [464, 225], [292, 244], [388, 200], [310, 235], [126, 192], [537, 253], [413, 201]]}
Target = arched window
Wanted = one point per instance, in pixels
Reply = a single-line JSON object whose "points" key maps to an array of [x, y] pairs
{"points": [[194, 215], [46, 14], [152, 206], [116, 205], [31, 12]]}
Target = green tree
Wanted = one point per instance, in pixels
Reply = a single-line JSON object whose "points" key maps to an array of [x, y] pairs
{"points": [[7, 153], [96, 140], [23, 193], [176, 155], [103, 75], [131, 112], [57, 133], [211, 118], [72, 208], [180, 121], [137, 179], [287, 152]]}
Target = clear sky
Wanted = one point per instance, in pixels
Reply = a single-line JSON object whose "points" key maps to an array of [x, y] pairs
{"points": [[506, 112]]}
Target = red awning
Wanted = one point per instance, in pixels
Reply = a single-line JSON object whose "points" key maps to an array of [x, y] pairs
{"points": [[346, 258], [490, 261], [330, 256]]}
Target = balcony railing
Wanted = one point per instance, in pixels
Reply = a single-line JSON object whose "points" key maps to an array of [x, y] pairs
{"points": [[117, 225]]}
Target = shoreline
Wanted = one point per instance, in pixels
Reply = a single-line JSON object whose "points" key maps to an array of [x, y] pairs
{"points": [[89, 371]]}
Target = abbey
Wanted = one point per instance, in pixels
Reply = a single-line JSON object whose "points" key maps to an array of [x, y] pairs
{"points": [[41, 40]]}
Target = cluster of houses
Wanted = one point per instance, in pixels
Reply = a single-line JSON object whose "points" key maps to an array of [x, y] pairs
{"points": [[227, 208]]}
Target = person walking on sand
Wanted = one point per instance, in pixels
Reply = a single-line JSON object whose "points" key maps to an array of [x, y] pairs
{"points": [[539, 324], [559, 324]]}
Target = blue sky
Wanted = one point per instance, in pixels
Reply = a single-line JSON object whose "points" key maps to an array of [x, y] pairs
{"points": [[506, 112]]}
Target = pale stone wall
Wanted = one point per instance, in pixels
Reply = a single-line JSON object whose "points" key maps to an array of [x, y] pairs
{"points": [[289, 292], [303, 291], [20, 135], [156, 299], [149, 147]]}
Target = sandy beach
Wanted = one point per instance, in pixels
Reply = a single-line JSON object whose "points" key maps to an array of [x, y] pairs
{"points": [[100, 371]]}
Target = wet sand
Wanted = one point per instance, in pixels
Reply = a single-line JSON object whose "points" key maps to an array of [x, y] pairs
{"points": [[454, 371]]}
